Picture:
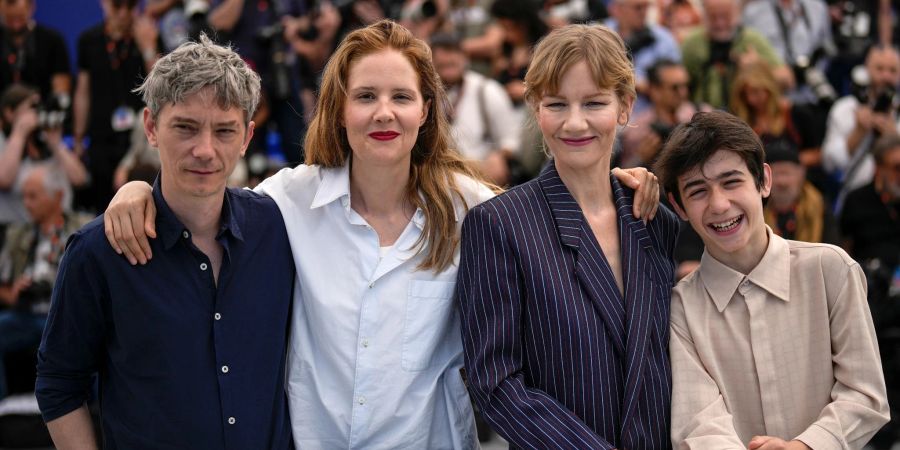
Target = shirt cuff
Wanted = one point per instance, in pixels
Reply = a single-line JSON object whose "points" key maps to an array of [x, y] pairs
{"points": [[818, 438], [58, 397]]}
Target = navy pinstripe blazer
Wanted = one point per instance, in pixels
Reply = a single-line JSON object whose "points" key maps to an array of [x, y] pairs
{"points": [[555, 357]]}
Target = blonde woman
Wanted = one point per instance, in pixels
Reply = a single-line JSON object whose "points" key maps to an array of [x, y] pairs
{"points": [[564, 294]]}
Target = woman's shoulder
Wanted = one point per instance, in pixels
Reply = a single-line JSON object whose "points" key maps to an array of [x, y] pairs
{"points": [[291, 180], [473, 191], [517, 198]]}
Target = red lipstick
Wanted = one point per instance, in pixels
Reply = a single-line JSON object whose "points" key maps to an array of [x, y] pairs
{"points": [[577, 142], [383, 135]]}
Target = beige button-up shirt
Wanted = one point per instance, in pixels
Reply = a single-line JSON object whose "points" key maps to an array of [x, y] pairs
{"points": [[788, 350]]}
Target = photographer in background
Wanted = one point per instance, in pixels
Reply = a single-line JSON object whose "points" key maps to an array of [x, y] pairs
{"points": [[800, 31], [270, 36], [29, 138], [870, 222], [113, 58], [483, 121], [796, 210], [670, 106], [32, 53], [29, 261], [714, 53], [646, 43], [856, 121], [856, 25]]}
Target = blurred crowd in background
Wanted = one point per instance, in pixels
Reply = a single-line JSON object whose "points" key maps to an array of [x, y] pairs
{"points": [[816, 79]]}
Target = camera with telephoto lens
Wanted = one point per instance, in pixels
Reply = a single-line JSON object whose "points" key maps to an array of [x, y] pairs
{"points": [[195, 12], [51, 112], [639, 40], [271, 39], [806, 72], [885, 99], [51, 115]]}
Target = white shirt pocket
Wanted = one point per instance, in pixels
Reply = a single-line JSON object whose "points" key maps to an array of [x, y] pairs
{"points": [[429, 305]]}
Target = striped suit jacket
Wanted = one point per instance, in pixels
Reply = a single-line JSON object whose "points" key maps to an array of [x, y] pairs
{"points": [[555, 357]]}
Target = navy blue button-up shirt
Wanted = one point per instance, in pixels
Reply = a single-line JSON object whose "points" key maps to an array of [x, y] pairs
{"points": [[183, 363]]}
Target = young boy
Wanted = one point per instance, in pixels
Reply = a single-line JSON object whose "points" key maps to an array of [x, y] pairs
{"points": [[772, 345]]}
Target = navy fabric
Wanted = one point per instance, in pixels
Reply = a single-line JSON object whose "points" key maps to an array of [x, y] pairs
{"points": [[556, 357], [183, 363]]}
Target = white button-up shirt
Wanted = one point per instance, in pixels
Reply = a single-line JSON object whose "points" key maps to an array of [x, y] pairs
{"points": [[375, 352]]}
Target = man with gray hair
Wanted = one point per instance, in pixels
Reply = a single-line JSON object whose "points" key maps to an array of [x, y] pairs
{"points": [[29, 261], [189, 347]]}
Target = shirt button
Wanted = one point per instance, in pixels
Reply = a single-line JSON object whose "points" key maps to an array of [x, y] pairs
{"points": [[365, 342], [217, 316], [362, 400], [203, 266], [744, 287], [224, 369], [231, 421], [185, 234], [371, 285]]}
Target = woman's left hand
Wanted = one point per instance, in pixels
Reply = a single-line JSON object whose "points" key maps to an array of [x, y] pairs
{"points": [[646, 186]]}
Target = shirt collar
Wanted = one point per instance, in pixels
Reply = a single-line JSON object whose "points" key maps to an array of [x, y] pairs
{"points": [[335, 185], [771, 274], [171, 229]]}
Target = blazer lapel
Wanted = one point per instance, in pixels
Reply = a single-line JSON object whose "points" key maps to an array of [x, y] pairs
{"points": [[640, 290], [570, 226]]}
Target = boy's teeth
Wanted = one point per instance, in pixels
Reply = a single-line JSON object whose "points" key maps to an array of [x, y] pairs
{"points": [[725, 226]]}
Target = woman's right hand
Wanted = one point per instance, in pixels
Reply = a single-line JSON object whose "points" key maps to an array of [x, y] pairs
{"points": [[129, 220]]}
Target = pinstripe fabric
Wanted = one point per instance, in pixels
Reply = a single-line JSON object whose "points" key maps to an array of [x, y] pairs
{"points": [[556, 358]]}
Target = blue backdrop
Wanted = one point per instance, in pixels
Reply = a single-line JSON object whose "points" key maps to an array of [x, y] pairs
{"points": [[69, 17]]}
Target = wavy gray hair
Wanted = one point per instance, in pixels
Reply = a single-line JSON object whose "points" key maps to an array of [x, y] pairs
{"points": [[197, 65]]}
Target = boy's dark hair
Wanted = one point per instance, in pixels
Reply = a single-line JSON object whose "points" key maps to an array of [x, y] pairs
{"points": [[691, 144]]}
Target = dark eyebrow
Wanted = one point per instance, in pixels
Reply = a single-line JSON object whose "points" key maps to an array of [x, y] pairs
{"points": [[723, 175]]}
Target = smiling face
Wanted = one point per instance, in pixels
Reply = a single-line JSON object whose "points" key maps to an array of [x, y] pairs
{"points": [[724, 206], [383, 110], [579, 121], [199, 144]]}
